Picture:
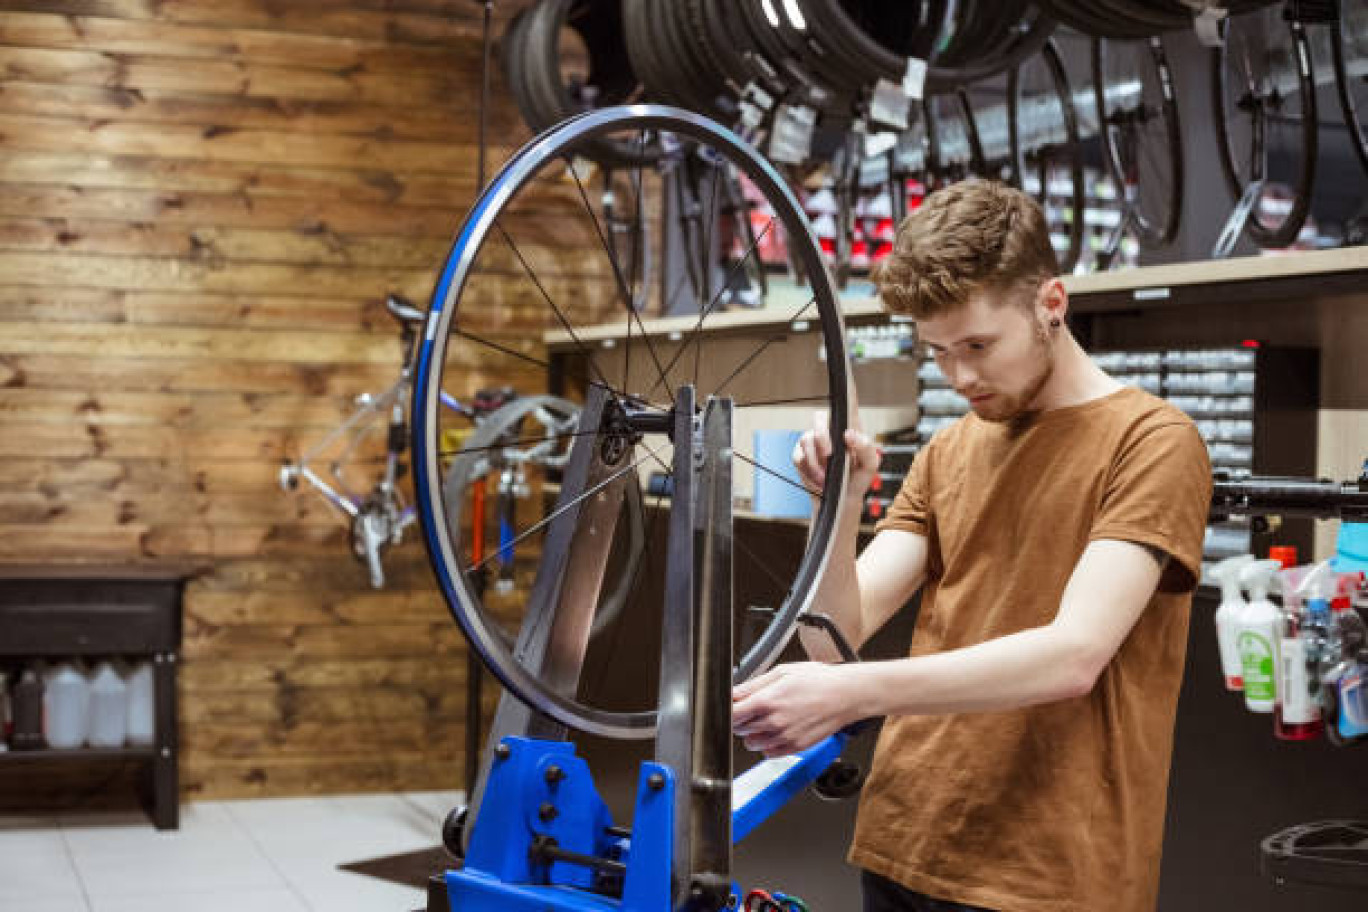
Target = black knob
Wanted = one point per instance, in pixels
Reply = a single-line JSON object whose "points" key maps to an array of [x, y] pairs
{"points": [[840, 780], [453, 831]]}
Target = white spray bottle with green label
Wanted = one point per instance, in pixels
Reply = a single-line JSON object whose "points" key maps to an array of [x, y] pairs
{"points": [[1226, 574], [1258, 631]]}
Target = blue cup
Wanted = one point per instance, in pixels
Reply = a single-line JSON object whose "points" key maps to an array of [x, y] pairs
{"points": [[784, 496]]}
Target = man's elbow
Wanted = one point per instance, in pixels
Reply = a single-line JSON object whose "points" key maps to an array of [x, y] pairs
{"points": [[1080, 667]]}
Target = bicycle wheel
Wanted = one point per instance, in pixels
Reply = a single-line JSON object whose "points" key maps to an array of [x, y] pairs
{"points": [[1137, 115], [1265, 104], [1349, 46], [627, 394], [954, 149], [1042, 125]]}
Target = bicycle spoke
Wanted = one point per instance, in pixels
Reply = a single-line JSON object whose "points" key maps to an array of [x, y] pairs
{"points": [[567, 435], [768, 471], [560, 315], [636, 260], [794, 401], [514, 353], [750, 359], [695, 334], [548, 519], [617, 275]]}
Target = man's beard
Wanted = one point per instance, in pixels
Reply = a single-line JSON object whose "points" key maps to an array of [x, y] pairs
{"points": [[1003, 407]]}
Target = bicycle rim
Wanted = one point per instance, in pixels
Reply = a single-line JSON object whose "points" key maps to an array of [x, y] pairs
{"points": [[461, 330]]}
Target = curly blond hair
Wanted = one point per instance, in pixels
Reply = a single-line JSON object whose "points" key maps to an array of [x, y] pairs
{"points": [[972, 236]]}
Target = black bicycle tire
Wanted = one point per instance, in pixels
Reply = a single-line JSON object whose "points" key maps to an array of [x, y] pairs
{"points": [[1348, 107], [1291, 226], [1027, 43], [1059, 77], [531, 64], [741, 57], [800, 83], [703, 83], [452, 578], [1118, 21], [1150, 234], [847, 47], [721, 55], [978, 162]]}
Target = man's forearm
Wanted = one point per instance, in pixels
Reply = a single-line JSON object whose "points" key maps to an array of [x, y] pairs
{"points": [[838, 590], [1040, 665]]}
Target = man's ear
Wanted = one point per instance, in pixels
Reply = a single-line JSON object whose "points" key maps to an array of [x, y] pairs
{"points": [[1052, 303]]}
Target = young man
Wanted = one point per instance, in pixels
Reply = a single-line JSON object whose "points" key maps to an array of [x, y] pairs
{"points": [[1056, 532]]}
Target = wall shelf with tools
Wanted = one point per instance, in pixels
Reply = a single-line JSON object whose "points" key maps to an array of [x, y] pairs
{"points": [[1309, 300]]}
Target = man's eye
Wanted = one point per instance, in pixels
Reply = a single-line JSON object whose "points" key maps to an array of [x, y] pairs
{"points": [[978, 346]]}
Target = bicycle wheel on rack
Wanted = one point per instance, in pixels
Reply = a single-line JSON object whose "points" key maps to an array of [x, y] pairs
{"points": [[533, 242], [1265, 105], [1349, 47], [954, 149], [1042, 126], [1137, 114]]}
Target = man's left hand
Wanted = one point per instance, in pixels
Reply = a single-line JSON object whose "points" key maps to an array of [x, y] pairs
{"points": [[792, 707]]}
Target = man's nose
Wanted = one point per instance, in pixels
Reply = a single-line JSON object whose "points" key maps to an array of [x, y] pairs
{"points": [[961, 377]]}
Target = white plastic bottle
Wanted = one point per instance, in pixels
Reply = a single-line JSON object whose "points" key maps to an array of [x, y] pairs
{"points": [[141, 705], [66, 707], [108, 707], [1258, 633], [1226, 574]]}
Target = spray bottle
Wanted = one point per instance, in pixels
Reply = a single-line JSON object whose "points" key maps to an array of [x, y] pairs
{"points": [[1296, 714], [1258, 630], [1226, 574], [1347, 682]]}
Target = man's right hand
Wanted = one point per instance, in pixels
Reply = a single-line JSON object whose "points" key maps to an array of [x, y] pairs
{"points": [[813, 452]]}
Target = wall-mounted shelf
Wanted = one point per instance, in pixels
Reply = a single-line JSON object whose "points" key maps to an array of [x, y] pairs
{"points": [[1318, 272]]}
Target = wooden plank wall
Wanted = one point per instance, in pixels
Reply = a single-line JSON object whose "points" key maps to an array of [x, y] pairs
{"points": [[202, 204]]}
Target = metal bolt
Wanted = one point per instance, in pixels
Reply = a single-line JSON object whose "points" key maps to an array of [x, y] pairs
{"points": [[554, 774], [547, 812], [503, 752], [655, 782]]}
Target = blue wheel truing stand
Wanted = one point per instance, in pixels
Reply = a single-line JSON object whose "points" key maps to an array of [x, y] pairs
{"points": [[541, 837], [545, 840]]}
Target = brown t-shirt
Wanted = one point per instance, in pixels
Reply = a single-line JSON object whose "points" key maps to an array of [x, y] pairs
{"points": [[1056, 807]]}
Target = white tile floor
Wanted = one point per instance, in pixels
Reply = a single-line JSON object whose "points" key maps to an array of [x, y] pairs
{"points": [[278, 855]]}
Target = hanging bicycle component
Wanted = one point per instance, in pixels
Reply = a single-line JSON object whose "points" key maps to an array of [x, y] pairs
{"points": [[1139, 127], [1043, 131], [1265, 104]]}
